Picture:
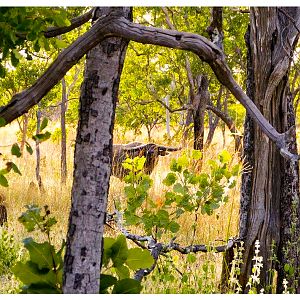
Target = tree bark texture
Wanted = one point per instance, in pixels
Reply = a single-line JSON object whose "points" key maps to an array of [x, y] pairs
{"points": [[269, 182], [63, 108], [92, 164]]}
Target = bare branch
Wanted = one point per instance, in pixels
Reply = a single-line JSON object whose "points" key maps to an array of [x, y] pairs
{"points": [[59, 104], [170, 109]]}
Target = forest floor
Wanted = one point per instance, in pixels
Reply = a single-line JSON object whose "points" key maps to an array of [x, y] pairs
{"points": [[175, 274]]}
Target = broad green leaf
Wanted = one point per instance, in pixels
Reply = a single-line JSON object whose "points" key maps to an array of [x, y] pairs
{"points": [[61, 21], [289, 269], [127, 286], [2, 75], [17, 54], [175, 167], [183, 161], [58, 256], [2, 120], [178, 188], [196, 154], [16, 169], [31, 217], [174, 227], [122, 271], [203, 180], [14, 60], [61, 44], [41, 137], [29, 273], [163, 218], [170, 179], [28, 148], [224, 157], [130, 191], [108, 242], [119, 251], [40, 253], [106, 281], [139, 163], [15, 150], [44, 124], [235, 170], [40, 288], [3, 181], [139, 259]]}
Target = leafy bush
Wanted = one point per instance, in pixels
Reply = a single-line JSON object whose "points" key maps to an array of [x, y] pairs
{"points": [[186, 191], [119, 260], [42, 272], [10, 252]]}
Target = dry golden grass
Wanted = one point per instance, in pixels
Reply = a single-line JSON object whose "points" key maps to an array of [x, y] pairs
{"points": [[213, 229]]}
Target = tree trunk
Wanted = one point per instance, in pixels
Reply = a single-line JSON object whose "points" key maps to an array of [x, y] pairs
{"points": [[92, 162], [24, 132], [200, 102], [223, 125], [166, 99], [269, 190], [213, 121], [37, 150], [63, 108]]}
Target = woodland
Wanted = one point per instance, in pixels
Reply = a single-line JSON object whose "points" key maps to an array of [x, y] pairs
{"points": [[149, 150]]}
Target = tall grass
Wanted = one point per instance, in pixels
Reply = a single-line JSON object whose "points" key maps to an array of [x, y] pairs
{"points": [[203, 274]]}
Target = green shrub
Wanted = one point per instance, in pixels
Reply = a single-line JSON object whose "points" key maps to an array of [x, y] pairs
{"points": [[10, 252]]}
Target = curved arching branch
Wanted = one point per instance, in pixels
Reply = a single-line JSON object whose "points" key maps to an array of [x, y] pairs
{"points": [[76, 22], [114, 25]]}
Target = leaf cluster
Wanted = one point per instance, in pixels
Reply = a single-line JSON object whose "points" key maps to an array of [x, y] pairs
{"points": [[10, 251], [187, 192], [16, 151], [22, 28], [120, 260], [42, 272]]}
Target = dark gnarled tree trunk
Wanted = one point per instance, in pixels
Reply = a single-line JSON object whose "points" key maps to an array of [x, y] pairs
{"points": [[271, 186], [92, 165]]}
